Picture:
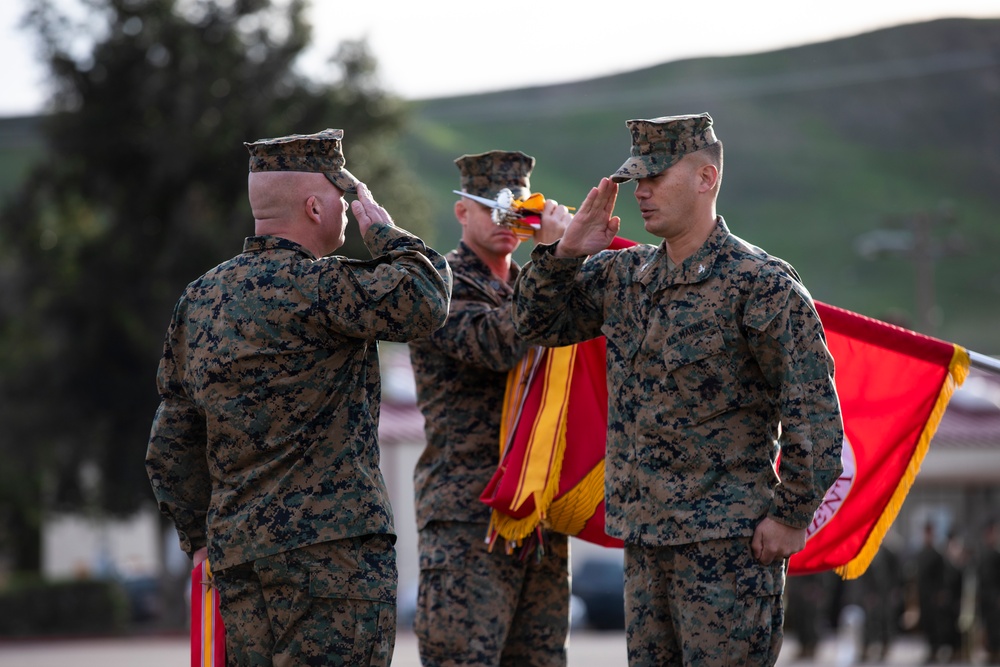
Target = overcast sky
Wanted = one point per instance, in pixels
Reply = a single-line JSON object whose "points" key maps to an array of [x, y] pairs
{"points": [[433, 48]]}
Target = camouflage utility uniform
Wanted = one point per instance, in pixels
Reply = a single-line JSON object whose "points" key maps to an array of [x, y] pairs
{"points": [[264, 446], [705, 360], [476, 607]]}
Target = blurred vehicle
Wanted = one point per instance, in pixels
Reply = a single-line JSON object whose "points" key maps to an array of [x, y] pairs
{"points": [[145, 598], [406, 609], [600, 584], [406, 606]]}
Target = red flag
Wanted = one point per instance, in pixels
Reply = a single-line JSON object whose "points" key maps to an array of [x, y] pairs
{"points": [[553, 437], [556, 404], [208, 636], [894, 385]]}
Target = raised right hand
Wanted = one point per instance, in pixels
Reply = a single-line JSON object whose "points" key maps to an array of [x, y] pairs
{"points": [[593, 227], [367, 210]]}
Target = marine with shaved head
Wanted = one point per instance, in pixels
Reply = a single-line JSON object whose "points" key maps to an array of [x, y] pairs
{"points": [[264, 450]]}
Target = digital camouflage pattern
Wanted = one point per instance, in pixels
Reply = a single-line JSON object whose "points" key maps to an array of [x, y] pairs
{"points": [[725, 605], [265, 439], [482, 609], [705, 360], [486, 174], [461, 376], [658, 143], [332, 603], [475, 605], [321, 152], [461, 370]]}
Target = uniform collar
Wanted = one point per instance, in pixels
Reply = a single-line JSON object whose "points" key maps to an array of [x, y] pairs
{"points": [[694, 269], [471, 261], [262, 243]]}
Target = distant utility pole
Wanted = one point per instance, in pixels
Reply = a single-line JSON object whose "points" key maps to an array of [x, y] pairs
{"points": [[913, 237]]}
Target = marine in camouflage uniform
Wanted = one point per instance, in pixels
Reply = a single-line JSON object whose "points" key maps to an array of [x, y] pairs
{"points": [[712, 344], [477, 607], [264, 447], [988, 589]]}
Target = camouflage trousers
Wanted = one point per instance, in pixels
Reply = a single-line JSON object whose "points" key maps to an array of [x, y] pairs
{"points": [[707, 603], [332, 603], [490, 609]]}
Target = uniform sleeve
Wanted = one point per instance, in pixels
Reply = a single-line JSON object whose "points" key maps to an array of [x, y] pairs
{"points": [[481, 335], [176, 455], [402, 294], [788, 342], [556, 299]]}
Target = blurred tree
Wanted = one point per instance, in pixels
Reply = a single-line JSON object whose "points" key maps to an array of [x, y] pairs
{"points": [[142, 189]]}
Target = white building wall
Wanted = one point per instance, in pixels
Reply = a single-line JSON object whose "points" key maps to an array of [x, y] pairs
{"points": [[76, 546]]}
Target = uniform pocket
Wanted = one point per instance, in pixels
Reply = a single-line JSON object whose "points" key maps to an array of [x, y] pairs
{"points": [[756, 631], [351, 585], [360, 612], [378, 281], [699, 362]]}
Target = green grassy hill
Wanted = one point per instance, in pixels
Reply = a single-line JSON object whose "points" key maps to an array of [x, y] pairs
{"points": [[824, 143]]}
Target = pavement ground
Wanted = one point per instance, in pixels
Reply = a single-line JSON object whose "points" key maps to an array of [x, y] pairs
{"points": [[586, 649]]}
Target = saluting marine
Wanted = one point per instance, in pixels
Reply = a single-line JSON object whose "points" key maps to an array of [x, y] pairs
{"points": [[264, 450], [716, 361]]}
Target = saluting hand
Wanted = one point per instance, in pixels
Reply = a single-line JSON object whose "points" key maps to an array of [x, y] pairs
{"points": [[593, 227], [367, 210]]}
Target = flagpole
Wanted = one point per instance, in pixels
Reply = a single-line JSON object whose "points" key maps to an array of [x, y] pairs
{"points": [[982, 362]]}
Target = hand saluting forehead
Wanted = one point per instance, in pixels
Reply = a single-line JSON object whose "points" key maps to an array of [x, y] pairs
{"points": [[367, 210]]}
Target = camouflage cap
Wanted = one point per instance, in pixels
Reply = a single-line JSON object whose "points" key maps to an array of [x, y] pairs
{"points": [[658, 143], [321, 152], [486, 174]]}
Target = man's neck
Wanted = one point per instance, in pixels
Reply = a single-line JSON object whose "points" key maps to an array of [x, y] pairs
{"points": [[499, 265], [690, 241], [290, 233]]}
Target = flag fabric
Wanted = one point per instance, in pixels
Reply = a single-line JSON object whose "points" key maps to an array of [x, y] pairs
{"points": [[208, 635], [893, 384], [556, 398]]}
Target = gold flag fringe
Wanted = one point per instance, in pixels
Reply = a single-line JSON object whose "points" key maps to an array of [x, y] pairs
{"points": [[514, 530], [570, 512], [958, 370]]}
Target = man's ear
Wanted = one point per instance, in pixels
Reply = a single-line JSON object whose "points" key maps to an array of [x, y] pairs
{"points": [[313, 208], [461, 211], [708, 177]]}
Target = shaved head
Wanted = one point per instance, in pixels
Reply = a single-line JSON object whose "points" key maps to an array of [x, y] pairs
{"points": [[305, 207], [281, 195]]}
